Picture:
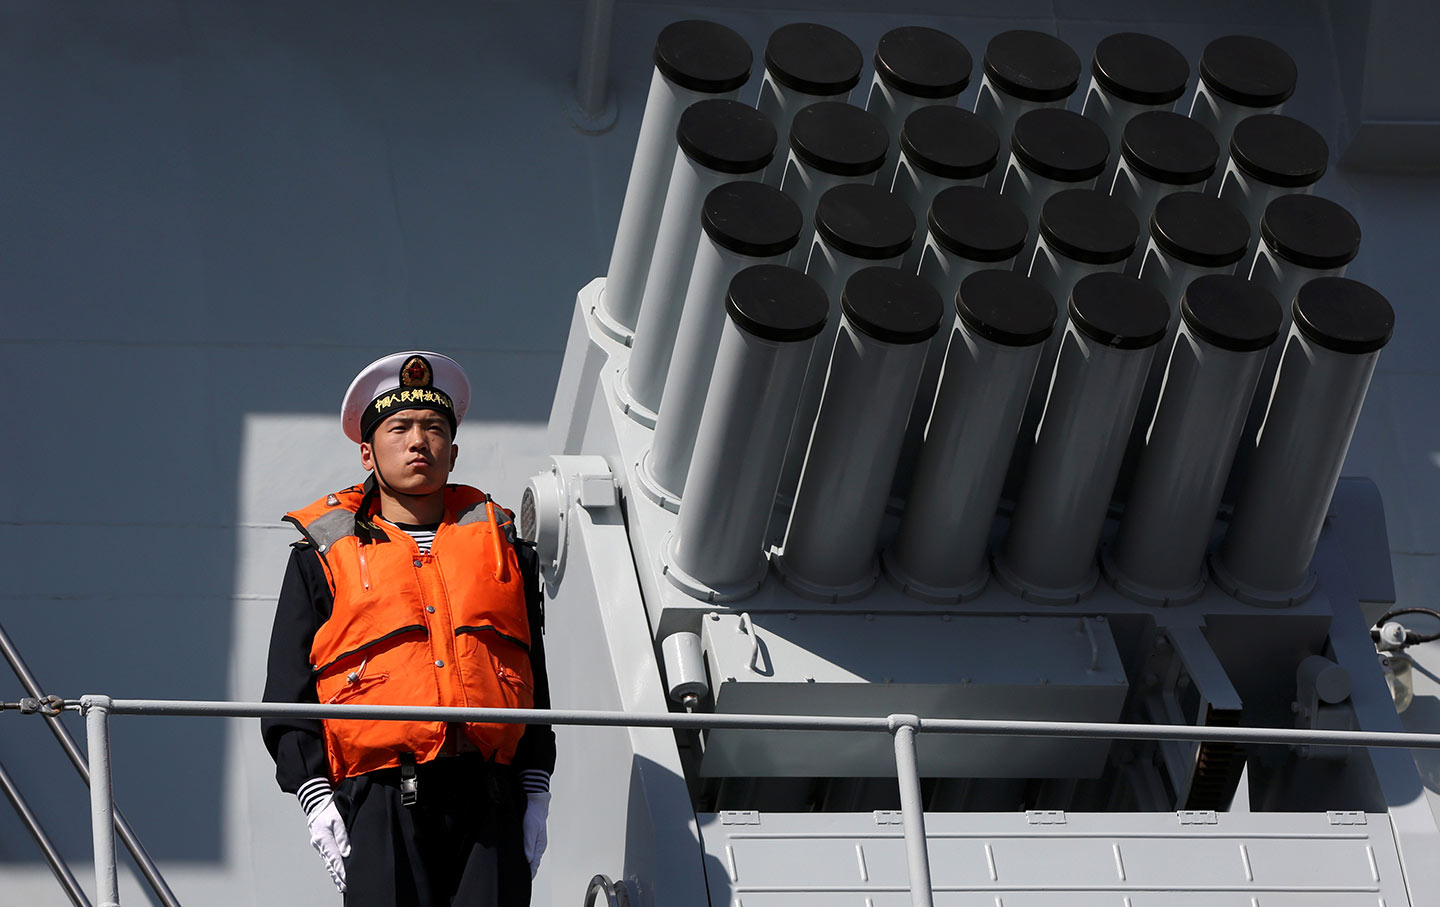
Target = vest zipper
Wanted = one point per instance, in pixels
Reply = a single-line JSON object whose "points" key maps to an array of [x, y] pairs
{"points": [[502, 574], [364, 567], [469, 628]]}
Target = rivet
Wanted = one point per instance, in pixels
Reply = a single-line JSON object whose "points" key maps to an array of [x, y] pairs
{"points": [[439, 663], [1023, 618], [869, 616], [417, 562], [332, 501], [430, 609]]}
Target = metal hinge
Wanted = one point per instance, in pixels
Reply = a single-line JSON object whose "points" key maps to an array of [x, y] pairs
{"points": [[1346, 817], [739, 817], [1045, 816], [889, 817], [1198, 817]]}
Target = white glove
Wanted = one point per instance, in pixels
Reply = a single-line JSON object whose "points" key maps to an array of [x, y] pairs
{"points": [[330, 839], [537, 813]]}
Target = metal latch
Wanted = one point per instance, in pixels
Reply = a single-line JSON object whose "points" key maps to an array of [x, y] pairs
{"points": [[1346, 817], [739, 817], [1045, 816], [1198, 817]]}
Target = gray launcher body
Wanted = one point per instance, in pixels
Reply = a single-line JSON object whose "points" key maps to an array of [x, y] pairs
{"points": [[661, 601], [676, 84]]}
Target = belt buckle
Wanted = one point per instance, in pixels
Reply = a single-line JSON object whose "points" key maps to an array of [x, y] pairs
{"points": [[409, 783]]}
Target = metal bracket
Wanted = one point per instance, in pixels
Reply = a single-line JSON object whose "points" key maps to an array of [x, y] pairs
{"points": [[889, 817], [1198, 817]]}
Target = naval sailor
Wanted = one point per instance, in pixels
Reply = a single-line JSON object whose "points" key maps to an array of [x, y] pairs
{"points": [[408, 590]]}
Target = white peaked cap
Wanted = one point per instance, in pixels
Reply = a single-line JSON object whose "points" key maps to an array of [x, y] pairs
{"points": [[415, 379]]}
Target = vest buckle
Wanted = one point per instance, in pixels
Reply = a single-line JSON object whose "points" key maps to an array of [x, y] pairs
{"points": [[409, 784]]}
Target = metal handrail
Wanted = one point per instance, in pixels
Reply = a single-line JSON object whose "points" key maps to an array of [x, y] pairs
{"points": [[131, 840], [62, 872], [903, 728]]}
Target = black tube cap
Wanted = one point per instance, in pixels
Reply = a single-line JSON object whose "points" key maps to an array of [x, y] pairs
{"points": [[751, 219], [891, 306], [1169, 148], [1088, 225], [777, 303], [1200, 229], [703, 56], [1343, 315], [726, 136], [864, 221], [1310, 231], [1141, 69], [949, 142], [977, 223], [922, 62], [1118, 311], [839, 139], [1247, 71], [1231, 312], [1007, 308], [1060, 144], [1031, 65], [813, 59], [1279, 150]]}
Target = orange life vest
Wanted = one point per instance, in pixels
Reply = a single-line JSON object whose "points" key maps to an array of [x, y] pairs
{"points": [[447, 628]]}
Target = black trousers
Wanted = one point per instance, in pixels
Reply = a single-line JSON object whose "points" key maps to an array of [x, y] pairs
{"points": [[459, 845]]}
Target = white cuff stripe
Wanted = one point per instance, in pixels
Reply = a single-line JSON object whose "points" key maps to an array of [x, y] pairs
{"points": [[535, 781], [313, 793]]}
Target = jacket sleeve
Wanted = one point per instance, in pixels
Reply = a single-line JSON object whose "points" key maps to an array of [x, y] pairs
{"points": [[536, 752], [296, 744]]}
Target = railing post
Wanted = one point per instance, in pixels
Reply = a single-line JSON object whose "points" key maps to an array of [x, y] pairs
{"points": [[912, 809], [102, 803], [147, 866]]}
